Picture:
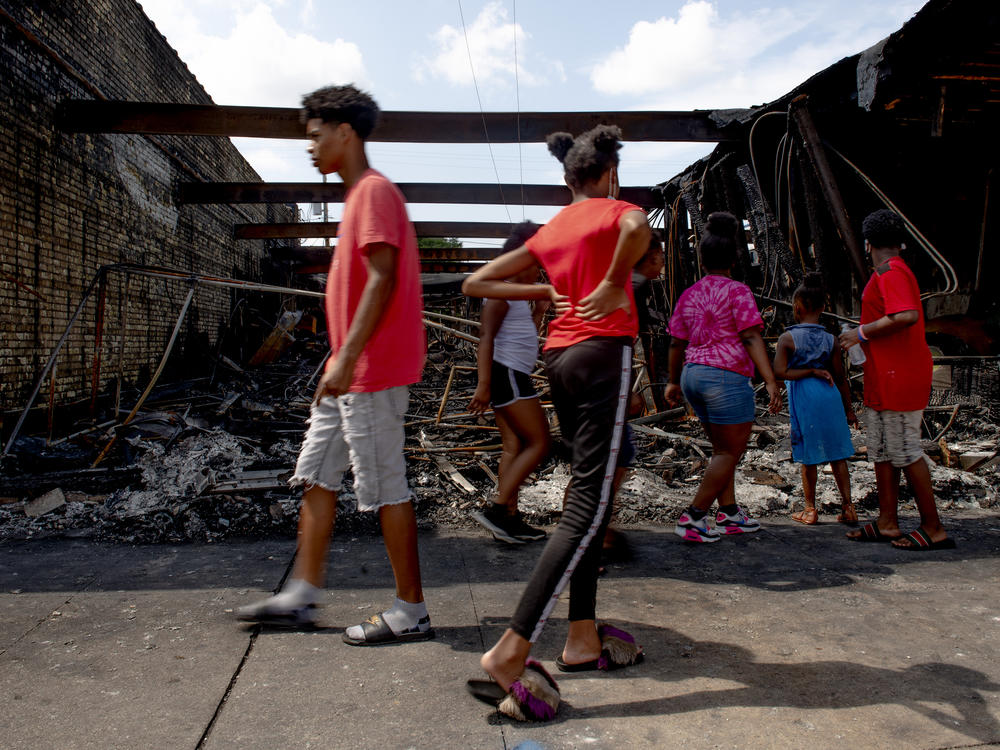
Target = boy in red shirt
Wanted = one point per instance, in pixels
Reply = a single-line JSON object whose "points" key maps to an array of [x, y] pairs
{"points": [[897, 386], [377, 342]]}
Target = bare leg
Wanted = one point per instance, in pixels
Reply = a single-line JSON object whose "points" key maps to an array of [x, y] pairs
{"points": [[399, 532], [919, 478], [887, 483], [505, 661], [525, 434], [728, 443], [582, 642], [316, 519], [809, 515], [842, 476]]}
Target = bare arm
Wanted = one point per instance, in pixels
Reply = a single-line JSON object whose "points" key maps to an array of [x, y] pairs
{"points": [[755, 347], [676, 363], [490, 319], [784, 350], [490, 281], [382, 262], [840, 380], [884, 326], [610, 294]]}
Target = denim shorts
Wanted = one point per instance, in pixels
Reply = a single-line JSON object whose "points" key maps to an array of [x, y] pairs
{"points": [[718, 396], [363, 431]]}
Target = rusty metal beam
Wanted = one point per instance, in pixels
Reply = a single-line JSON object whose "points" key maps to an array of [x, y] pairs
{"points": [[91, 116], [813, 145], [329, 229], [415, 192]]}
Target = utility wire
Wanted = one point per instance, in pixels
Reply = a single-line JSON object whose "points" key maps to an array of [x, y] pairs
{"points": [[517, 99], [479, 99]]}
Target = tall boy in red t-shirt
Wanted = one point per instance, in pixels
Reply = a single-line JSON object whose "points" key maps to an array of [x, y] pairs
{"points": [[377, 342], [897, 386]]}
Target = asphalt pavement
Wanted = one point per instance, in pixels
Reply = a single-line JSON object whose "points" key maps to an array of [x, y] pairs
{"points": [[789, 638]]}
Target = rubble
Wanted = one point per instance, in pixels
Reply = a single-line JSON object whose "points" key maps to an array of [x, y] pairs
{"points": [[210, 461]]}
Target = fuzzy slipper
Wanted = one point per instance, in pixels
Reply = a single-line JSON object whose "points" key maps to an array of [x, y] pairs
{"points": [[534, 696], [920, 541], [618, 650], [870, 533]]}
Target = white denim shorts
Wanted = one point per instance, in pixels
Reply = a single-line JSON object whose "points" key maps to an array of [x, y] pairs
{"points": [[894, 436], [363, 431]]}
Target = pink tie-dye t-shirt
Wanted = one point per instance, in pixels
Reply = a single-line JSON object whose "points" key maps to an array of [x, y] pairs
{"points": [[709, 316]]}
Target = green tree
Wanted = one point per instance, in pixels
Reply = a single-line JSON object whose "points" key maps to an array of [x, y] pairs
{"points": [[428, 242]]}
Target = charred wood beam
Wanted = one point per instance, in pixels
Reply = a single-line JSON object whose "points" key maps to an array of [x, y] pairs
{"points": [[329, 229], [767, 235], [414, 192], [90, 116], [315, 255], [798, 109]]}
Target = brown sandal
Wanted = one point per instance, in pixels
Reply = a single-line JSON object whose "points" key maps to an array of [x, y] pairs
{"points": [[848, 516], [801, 516]]}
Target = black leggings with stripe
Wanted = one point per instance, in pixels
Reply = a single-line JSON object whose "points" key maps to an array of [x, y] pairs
{"points": [[590, 390]]}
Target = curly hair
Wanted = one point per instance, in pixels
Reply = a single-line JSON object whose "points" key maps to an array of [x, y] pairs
{"points": [[520, 234], [718, 241], [338, 104], [884, 228], [589, 155], [811, 292]]}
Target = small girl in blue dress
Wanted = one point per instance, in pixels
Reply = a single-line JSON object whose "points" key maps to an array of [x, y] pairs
{"points": [[810, 361]]}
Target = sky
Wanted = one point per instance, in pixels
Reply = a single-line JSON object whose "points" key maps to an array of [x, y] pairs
{"points": [[501, 55]]}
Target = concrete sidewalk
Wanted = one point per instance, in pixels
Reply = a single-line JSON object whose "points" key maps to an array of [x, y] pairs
{"points": [[791, 637]]}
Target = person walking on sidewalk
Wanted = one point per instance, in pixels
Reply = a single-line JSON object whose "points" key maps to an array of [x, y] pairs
{"points": [[508, 350], [716, 337], [377, 342], [588, 250], [898, 372], [810, 361]]}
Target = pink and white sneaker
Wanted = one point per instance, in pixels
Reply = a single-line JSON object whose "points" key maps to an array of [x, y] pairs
{"points": [[695, 531], [737, 523]]}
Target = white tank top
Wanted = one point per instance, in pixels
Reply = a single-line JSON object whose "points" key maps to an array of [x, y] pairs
{"points": [[516, 343]]}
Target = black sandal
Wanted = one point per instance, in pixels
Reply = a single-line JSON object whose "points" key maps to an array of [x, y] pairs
{"points": [[378, 633]]}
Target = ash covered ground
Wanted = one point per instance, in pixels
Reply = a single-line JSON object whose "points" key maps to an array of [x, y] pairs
{"points": [[210, 462]]}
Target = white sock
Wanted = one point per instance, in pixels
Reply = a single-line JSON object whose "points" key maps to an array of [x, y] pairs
{"points": [[403, 616], [296, 593]]}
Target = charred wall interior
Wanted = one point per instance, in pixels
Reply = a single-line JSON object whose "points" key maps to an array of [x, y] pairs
{"points": [[71, 203], [916, 117]]}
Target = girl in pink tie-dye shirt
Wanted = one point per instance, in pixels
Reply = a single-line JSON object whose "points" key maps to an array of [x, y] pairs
{"points": [[716, 336]]}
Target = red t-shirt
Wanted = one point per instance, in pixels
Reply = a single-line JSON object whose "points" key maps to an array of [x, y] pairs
{"points": [[898, 368], [575, 248], [375, 212]]}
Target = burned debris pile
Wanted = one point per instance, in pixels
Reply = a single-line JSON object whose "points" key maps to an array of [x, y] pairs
{"points": [[210, 459]]}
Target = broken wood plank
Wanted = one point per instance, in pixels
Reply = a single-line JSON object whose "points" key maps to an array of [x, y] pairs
{"points": [[447, 467]]}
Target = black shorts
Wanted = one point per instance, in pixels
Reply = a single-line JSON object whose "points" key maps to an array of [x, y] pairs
{"points": [[508, 386]]}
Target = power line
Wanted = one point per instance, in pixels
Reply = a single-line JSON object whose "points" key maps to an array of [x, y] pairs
{"points": [[486, 131], [517, 98]]}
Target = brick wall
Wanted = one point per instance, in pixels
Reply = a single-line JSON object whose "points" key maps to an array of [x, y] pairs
{"points": [[70, 203]]}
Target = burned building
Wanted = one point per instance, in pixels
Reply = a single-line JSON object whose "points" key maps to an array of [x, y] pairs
{"points": [[72, 203], [908, 124]]}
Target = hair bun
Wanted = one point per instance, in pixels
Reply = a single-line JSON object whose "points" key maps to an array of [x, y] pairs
{"points": [[607, 138], [722, 224], [559, 145]]}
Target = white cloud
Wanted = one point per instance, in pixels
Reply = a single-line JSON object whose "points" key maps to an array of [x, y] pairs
{"points": [[693, 48], [491, 46], [702, 60], [256, 62]]}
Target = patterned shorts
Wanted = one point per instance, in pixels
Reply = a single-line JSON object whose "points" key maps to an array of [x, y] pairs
{"points": [[894, 436]]}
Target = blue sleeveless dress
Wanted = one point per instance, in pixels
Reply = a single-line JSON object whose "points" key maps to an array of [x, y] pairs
{"points": [[819, 426]]}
